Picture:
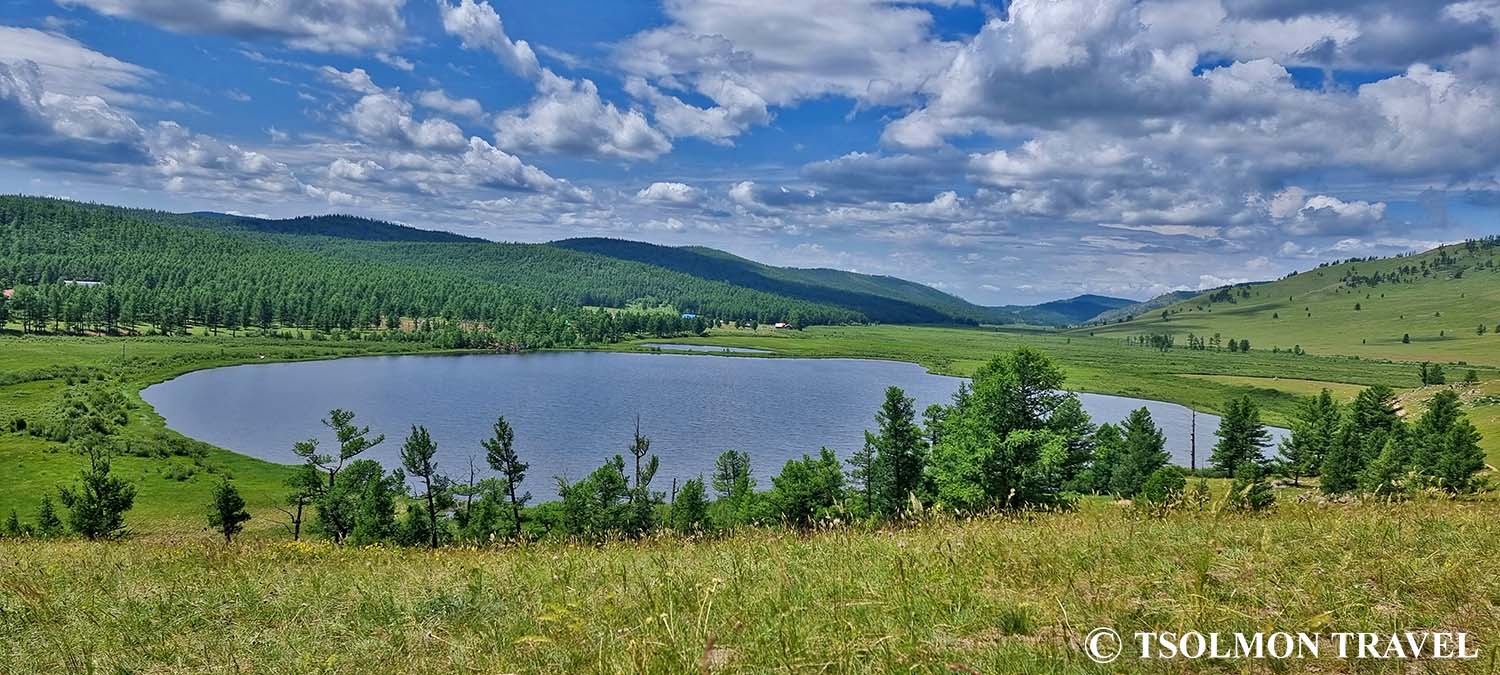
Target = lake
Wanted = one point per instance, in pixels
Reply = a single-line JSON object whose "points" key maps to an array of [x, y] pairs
{"points": [[572, 410]]}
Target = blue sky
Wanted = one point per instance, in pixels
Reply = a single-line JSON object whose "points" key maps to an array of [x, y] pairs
{"points": [[1005, 152]]}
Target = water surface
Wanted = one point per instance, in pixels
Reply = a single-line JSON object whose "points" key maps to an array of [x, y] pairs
{"points": [[572, 410]]}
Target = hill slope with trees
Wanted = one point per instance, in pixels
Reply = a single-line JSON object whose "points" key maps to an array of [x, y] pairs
{"points": [[1439, 305]]}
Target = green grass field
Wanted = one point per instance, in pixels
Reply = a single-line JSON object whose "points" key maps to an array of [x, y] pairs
{"points": [[992, 595], [1316, 310]]}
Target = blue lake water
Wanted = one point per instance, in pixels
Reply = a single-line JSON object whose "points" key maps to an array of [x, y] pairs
{"points": [[572, 410]]}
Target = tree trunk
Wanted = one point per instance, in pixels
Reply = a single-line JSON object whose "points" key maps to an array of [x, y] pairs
{"points": [[431, 510]]}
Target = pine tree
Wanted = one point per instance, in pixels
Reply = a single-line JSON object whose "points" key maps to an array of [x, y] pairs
{"points": [[1250, 491], [1344, 462], [1461, 459], [899, 452], [1431, 431], [226, 513], [352, 441], [97, 505], [1387, 474], [47, 522], [1143, 455], [1241, 437], [1314, 432], [862, 473], [689, 512], [735, 485], [1109, 453], [419, 458], [932, 423], [500, 452]]}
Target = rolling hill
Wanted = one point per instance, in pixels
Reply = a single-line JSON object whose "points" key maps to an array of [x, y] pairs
{"points": [[1074, 310], [1442, 305], [1134, 309]]}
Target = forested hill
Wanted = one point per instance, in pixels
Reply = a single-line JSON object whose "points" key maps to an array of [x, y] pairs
{"points": [[334, 225], [178, 270], [1442, 304], [881, 298], [1073, 310], [570, 273]]}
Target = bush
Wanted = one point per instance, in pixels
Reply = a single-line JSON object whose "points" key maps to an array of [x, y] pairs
{"points": [[1250, 491], [1164, 486]]}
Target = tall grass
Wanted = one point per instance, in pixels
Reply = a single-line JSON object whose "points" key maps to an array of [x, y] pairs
{"points": [[996, 594]]}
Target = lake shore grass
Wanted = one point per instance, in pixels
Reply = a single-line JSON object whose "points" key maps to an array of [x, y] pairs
{"points": [[993, 595]]}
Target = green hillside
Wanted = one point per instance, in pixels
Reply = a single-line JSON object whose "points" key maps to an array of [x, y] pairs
{"points": [[1441, 305], [881, 298]]}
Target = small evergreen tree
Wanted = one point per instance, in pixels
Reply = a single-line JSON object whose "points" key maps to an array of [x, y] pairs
{"points": [[932, 423], [1314, 432], [1461, 459], [97, 505], [13, 526], [1241, 437], [1250, 491], [1109, 453], [1343, 464], [226, 513], [900, 453], [47, 522], [689, 512], [735, 485], [862, 473], [419, 458], [500, 452], [1144, 453]]}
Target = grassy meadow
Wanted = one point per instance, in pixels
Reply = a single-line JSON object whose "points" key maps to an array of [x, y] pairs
{"points": [[988, 595]]}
